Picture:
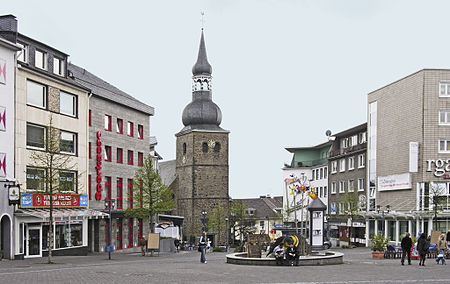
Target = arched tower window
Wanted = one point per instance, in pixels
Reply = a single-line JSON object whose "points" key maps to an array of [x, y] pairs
{"points": [[217, 147], [205, 147], [184, 148]]}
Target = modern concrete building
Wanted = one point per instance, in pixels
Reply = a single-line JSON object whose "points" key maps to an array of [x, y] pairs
{"points": [[408, 155], [347, 180], [310, 165], [44, 95], [7, 142], [119, 140], [201, 154]]}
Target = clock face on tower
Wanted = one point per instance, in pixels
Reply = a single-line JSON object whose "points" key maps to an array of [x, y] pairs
{"points": [[183, 160], [211, 143]]}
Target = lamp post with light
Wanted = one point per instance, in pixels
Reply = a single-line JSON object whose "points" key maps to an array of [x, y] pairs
{"points": [[383, 212], [109, 205], [204, 220], [228, 233]]}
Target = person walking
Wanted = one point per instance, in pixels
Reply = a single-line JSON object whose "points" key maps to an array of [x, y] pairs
{"points": [[143, 244], [441, 249], [202, 246], [422, 248], [406, 248]]}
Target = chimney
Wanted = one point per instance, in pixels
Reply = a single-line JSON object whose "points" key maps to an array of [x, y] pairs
{"points": [[8, 28]]}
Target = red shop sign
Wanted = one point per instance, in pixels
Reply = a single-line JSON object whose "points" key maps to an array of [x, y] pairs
{"points": [[41, 200], [98, 167]]}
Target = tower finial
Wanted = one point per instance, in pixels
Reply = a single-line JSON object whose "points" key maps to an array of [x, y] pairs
{"points": [[203, 19]]}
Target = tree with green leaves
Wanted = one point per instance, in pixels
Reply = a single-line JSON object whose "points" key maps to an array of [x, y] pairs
{"points": [[150, 196], [351, 201], [217, 222], [53, 161], [240, 219]]}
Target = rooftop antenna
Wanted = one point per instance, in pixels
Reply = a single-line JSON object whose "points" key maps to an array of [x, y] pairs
{"points": [[203, 19]]}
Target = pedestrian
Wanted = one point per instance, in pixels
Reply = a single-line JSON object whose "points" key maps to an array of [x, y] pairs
{"points": [[143, 244], [278, 252], [176, 242], [448, 237], [202, 246], [422, 248], [441, 249], [292, 255], [406, 248]]}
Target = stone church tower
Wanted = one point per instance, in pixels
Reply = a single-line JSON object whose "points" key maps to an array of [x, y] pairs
{"points": [[202, 154]]}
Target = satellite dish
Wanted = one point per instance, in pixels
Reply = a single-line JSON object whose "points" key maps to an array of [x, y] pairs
{"points": [[328, 133]]}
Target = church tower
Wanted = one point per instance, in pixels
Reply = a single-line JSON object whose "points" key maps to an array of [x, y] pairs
{"points": [[202, 154]]}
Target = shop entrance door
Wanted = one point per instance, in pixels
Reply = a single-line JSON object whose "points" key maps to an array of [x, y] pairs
{"points": [[34, 242]]}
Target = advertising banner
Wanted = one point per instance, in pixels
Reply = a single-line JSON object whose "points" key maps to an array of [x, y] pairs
{"points": [[394, 182], [42, 200]]}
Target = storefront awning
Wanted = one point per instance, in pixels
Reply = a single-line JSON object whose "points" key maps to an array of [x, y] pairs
{"points": [[61, 214]]}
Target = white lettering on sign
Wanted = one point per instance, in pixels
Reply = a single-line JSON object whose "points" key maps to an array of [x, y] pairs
{"points": [[439, 167]]}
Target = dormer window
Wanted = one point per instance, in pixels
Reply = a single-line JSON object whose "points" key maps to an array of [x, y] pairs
{"points": [[58, 66], [23, 54], [251, 211], [40, 59]]}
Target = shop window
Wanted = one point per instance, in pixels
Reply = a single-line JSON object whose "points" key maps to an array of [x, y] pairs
{"points": [[68, 235]]}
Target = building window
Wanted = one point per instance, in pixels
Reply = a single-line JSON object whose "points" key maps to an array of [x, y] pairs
{"points": [[362, 137], [36, 136], [130, 233], [119, 126], [184, 148], [217, 147], [67, 142], [90, 117], [360, 184], [23, 54], [333, 188], [108, 188], [58, 66], [334, 167], [140, 131], [140, 159], [67, 181], [344, 143], [361, 161], [444, 117], [353, 140], [36, 94], [130, 129], [119, 156], [325, 172], [108, 153], [351, 185], [89, 187], [325, 191], [90, 151], [130, 193], [40, 59], [119, 184], [342, 165], [205, 147], [341, 208], [130, 157], [321, 173], [444, 89], [444, 146], [351, 163], [36, 179], [108, 122], [68, 104], [341, 187]]}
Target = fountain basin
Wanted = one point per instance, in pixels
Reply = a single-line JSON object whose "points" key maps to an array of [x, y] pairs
{"points": [[315, 258]]}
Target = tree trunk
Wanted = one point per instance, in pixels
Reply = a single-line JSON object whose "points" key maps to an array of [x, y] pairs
{"points": [[50, 229]]}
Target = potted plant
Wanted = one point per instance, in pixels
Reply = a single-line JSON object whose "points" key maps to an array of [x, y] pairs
{"points": [[379, 244]]}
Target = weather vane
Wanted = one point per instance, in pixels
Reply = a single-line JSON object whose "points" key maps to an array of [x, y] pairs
{"points": [[203, 19]]}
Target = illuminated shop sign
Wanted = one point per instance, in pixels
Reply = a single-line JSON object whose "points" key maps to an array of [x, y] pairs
{"points": [[41, 200], [98, 167]]}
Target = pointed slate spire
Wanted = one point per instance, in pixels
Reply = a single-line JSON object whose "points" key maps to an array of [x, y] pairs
{"points": [[202, 66]]}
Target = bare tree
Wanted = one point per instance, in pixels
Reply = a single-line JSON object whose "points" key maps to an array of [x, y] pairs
{"points": [[351, 200], [217, 221], [53, 162], [437, 199]]}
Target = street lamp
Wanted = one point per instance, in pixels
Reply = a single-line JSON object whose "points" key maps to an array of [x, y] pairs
{"points": [[388, 208], [228, 233], [109, 205], [204, 219]]}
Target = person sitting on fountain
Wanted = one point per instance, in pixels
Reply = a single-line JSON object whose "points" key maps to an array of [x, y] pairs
{"points": [[278, 252], [292, 255]]}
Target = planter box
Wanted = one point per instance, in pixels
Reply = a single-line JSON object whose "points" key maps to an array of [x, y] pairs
{"points": [[378, 254]]}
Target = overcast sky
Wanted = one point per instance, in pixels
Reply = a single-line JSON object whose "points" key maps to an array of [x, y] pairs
{"points": [[283, 71]]}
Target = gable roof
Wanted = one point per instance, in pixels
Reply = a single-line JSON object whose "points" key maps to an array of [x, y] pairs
{"points": [[103, 89], [265, 206]]}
